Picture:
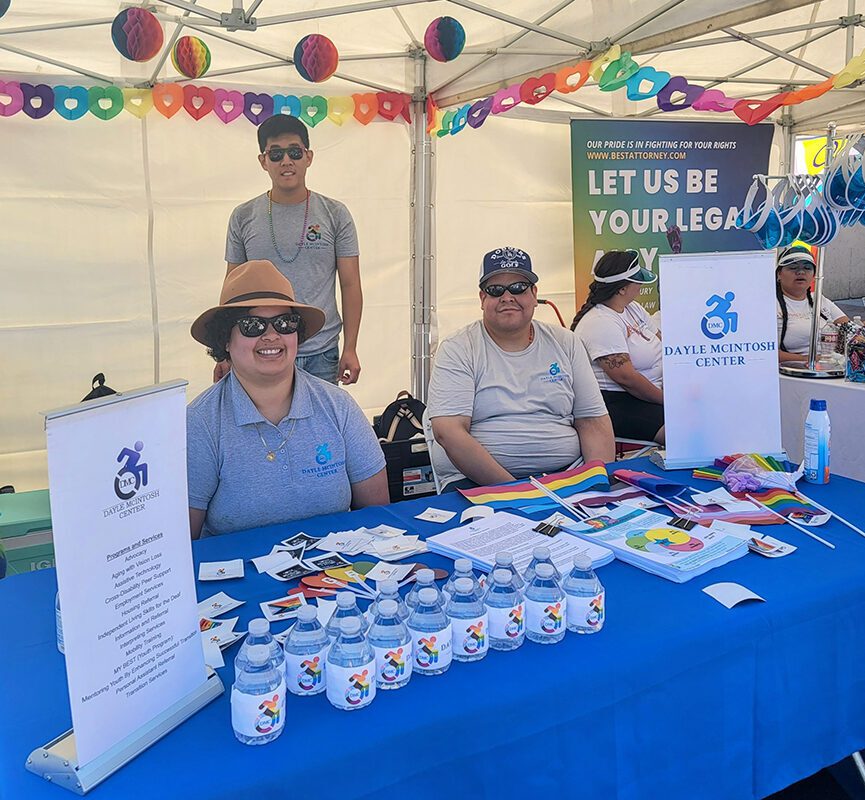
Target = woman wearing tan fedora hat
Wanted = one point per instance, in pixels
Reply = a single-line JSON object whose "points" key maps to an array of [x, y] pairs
{"points": [[270, 443]]}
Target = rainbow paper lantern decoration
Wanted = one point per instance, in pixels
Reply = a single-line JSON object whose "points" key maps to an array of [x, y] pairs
{"points": [[316, 58], [444, 39], [190, 56], [137, 34]]}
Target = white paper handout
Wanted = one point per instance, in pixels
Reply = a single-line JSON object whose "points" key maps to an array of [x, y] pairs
{"points": [[388, 572], [385, 531], [731, 594], [218, 604], [476, 512], [436, 515], [220, 570]]}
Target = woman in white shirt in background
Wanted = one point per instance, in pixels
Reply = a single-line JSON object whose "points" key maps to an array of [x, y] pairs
{"points": [[624, 346], [793, 277]]}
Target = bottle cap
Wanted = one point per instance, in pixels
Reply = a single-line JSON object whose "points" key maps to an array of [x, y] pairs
{"points": [[544, 571], [305, 614], [345, 599], [582, 561], [388, 608], [504, 558], [259, 627], [258, 654], [462, 565], [818, 405], [428, 596], [350, 626], [387, 587], [425, 576], [502, 576], [463, 585], [541, 553]]}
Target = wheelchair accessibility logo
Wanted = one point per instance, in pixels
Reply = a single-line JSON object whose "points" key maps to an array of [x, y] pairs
{"points": [[719, 320], [322, 454], [132, 475], [555, 369]]}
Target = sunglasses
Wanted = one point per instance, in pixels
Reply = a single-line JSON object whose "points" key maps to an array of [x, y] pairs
{"points": [[256, 326], [498, 289], [294, 151]]}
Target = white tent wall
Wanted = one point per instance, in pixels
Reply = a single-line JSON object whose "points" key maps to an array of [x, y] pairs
{"points": [[77, 278]]}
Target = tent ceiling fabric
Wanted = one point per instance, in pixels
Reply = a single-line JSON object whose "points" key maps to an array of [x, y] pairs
{"points": [[374, 44]]}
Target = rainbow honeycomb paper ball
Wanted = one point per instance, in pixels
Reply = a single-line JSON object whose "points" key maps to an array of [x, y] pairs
{"points": [[444, 39], [190, 56], [316, 58], [136, 34]]}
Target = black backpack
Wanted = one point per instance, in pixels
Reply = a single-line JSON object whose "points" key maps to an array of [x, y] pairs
{"points": [[402, 419], [99, 388]]}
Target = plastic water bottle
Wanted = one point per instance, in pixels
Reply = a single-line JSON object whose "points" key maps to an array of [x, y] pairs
{"points": [[546, 609], [346, 606], [424, 579], [540, 555], [305, 653], [391, 642], [585, 597], [58, 621], [462, 569], [469, 622], [816, 455], [430, 633], [506, 611], [259, 633], [387, 590], [258, 699], [505, 560], [350, 668]]}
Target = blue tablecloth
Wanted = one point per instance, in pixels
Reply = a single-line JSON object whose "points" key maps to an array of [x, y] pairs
{"points": [[677, 697]]}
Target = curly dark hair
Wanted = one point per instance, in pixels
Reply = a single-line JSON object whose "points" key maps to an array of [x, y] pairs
{"points": [[218, 331]]}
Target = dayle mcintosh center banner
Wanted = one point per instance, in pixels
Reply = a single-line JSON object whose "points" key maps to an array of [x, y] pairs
{"points": [[642, 185]]}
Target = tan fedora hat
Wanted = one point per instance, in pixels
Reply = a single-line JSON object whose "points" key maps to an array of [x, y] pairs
{"points": [[257, 283]]}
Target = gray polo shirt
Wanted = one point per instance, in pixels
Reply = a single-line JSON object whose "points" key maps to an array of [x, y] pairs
{"points": [[329, 446], [330, 234], [522, 405]]}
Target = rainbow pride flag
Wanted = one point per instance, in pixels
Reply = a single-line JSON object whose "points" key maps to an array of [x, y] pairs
{"points": [[521, 494]]}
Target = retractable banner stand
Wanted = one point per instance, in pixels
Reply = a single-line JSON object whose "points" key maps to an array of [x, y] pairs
{"points": [[119, 508], [721, 386]]}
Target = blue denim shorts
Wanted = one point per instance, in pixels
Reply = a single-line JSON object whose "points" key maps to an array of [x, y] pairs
{"points": [[322, 365]]}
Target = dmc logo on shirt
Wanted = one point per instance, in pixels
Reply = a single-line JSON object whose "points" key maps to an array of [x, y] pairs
{"points": [[313, 233], [555, 369], [322, 454], [555, 374]]}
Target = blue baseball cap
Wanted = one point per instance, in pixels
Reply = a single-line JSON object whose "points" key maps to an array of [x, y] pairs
{"points": [[507, 259]]}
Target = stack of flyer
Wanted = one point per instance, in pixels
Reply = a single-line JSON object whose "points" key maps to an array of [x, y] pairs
{"points": [[654, 543], [479, 542]]}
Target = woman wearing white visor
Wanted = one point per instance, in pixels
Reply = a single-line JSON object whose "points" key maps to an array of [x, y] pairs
{"points": [[624, 346]]}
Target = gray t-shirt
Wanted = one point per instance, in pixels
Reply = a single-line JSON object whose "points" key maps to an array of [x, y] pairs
{"points": [[329, 445], [330, 234], [522, 405]]}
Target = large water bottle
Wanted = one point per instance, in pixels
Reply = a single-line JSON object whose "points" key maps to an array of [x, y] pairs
{"points": [[585, 597], [505, 560], [58, 622], [259, 633], [430, 634], [391, 642], [258, 699], [462, 569], [305, 653], [424, 579], [506, 611], [816, 455], [350, 668], [388, 590], [346, 606], [469, 622], [540, 555], [546, 609]]}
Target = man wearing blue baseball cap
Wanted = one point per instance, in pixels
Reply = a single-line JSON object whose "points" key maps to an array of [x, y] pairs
{"points": [[510, 397]]}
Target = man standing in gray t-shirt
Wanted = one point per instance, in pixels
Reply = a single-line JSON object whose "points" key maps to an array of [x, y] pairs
{"points": [[311, 239]]}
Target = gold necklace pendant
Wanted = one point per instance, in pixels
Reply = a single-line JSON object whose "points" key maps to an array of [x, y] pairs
{"points": [[271, 456]]}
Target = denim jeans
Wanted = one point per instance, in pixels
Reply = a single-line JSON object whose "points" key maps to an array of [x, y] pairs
{"points": [[322, 365]]}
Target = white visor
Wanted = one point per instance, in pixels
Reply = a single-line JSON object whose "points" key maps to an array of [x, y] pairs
{"points": [[634, 273]]}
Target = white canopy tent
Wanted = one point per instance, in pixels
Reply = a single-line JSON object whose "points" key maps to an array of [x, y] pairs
{"points": [[113, 231]]}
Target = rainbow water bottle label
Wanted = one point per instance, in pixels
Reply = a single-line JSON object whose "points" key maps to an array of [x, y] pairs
{"points": [[470, 637], [507, 623], [545, 618], [586, 612], [351, 687], [431, 650], [393, 666], [256, 715], [305, 675]]}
